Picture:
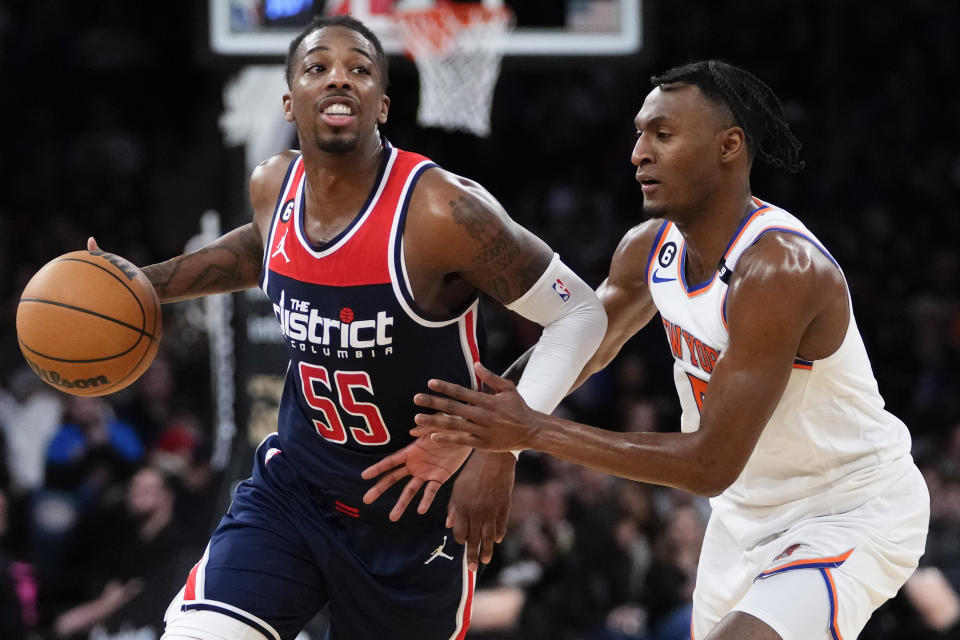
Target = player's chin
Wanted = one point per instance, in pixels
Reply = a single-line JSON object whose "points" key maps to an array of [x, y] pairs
{"points": [[653, 210], [338, 141]]}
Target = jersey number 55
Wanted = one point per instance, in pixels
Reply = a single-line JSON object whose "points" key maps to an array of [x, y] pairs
{"points": [[372, 433]]}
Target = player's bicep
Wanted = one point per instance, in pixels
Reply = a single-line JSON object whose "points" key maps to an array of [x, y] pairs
{"points": [[746, 385], [495, 254]]}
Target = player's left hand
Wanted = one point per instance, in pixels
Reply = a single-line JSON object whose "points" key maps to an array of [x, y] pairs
{"points": [[429, 462], [480, 504], [500, 421]]}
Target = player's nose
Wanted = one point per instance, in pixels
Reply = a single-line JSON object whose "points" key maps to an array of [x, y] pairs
{"points": [[339, 76], [641, 153]]}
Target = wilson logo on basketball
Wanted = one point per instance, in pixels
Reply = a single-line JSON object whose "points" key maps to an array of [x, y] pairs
{"points": [[54, 378], [125, 267]]}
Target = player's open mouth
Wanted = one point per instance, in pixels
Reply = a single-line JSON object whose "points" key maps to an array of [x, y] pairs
{"points": [[337, 114], [647, 184]]}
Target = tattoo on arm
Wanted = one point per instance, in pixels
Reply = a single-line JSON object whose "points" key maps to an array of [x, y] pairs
{"points": [[500, 289], [231, 264], [499, 251]]}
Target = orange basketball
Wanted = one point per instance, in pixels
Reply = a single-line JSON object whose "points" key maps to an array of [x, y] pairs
{"points": [[89, 323]]}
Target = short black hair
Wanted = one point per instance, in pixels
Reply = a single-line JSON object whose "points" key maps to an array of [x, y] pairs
{"points": [[348, 22], [754, 106]]}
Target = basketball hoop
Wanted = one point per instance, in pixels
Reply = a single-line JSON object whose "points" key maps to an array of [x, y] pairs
{"points": [[457, 48]]}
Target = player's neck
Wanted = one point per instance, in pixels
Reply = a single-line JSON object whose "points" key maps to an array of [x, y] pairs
{"points": [[337, 186], [707, 236], [346, 167]]}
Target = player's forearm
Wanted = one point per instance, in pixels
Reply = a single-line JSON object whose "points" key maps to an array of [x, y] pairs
{"points": [[668, 459], [231, 263], [573, 322]]}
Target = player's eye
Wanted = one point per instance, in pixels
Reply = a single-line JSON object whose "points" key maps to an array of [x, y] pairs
{"points": [[362, 70], [664, 135], [315, 68]]}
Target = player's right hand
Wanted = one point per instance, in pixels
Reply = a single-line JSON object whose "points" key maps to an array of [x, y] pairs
{"points": [[428, 462], [480, 504]]}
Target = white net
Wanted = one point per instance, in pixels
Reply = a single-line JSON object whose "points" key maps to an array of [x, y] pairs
{"points": [[457, 49]]}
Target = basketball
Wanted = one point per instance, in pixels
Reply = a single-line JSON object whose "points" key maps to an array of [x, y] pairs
{"points": [[88, 323]]}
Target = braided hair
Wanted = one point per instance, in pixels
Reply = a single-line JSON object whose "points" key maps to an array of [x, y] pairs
{"points": [[754, 106]]}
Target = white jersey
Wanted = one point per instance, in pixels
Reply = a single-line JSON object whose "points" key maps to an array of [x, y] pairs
{"points": [[829, 445]]}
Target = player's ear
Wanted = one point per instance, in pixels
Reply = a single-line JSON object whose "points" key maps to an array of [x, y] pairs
{"points": [[733, 144], [384, 109], [287, 108]]}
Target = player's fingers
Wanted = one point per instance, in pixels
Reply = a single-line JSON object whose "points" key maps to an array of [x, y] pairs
{"points": [[444, 405], [420, 432], [501, 528], [92, 244], [461, 527], [492, 380], [473, 546], [391, 461], [462, 439], [424, 431], [446, 422], [487, 540], [384, 483], [451, 515], [456, 391], [406, 496], [429, 492]]}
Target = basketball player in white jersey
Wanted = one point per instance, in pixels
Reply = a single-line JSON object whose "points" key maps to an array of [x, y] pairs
{"points": [[819, 513]]}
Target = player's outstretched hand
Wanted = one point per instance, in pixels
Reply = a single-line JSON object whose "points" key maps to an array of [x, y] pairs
{"points": [[500, 421], [480, 504], [429, 462]]}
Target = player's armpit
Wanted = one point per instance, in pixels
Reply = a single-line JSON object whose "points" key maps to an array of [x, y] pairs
{"points": [[625, 296]]}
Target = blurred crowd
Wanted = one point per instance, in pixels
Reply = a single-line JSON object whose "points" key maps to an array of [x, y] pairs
{"points": [[111, 129]]}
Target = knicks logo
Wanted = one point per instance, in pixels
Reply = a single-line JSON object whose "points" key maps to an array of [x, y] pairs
{"points": [[561, 290]]}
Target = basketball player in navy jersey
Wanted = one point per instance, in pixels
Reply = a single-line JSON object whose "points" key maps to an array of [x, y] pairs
{"points": [[374, 258], [819, 513]]}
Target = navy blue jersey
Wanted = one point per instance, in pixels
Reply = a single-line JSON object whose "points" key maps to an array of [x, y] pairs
{"points": [[360, 348]]}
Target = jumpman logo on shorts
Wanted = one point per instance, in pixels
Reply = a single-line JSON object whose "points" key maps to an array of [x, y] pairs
{"points": [[282, 247], [438, 553]]}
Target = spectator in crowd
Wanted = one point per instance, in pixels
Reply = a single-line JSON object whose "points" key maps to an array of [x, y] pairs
{"points": [[135, 555]]}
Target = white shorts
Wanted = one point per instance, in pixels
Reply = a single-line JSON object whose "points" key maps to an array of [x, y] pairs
{"points": [[854, 562]]}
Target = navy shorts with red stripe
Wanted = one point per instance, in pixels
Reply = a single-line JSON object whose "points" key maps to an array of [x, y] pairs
{"points": [[285, 549]]}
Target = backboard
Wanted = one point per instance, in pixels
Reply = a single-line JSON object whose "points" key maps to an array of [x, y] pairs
{"points": [[264, 28]]}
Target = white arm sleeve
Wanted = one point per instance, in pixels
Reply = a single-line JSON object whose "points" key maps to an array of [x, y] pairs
{"points": [[574, 324]]}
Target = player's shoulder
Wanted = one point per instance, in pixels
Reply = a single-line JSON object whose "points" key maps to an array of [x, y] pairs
{"points": [[437, 181], [788, 262], [274, 168], [443, 196], [633, 251], [267, 178]]}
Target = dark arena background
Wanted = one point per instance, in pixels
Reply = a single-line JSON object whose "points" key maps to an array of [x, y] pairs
{"points": [[130, 122]]}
